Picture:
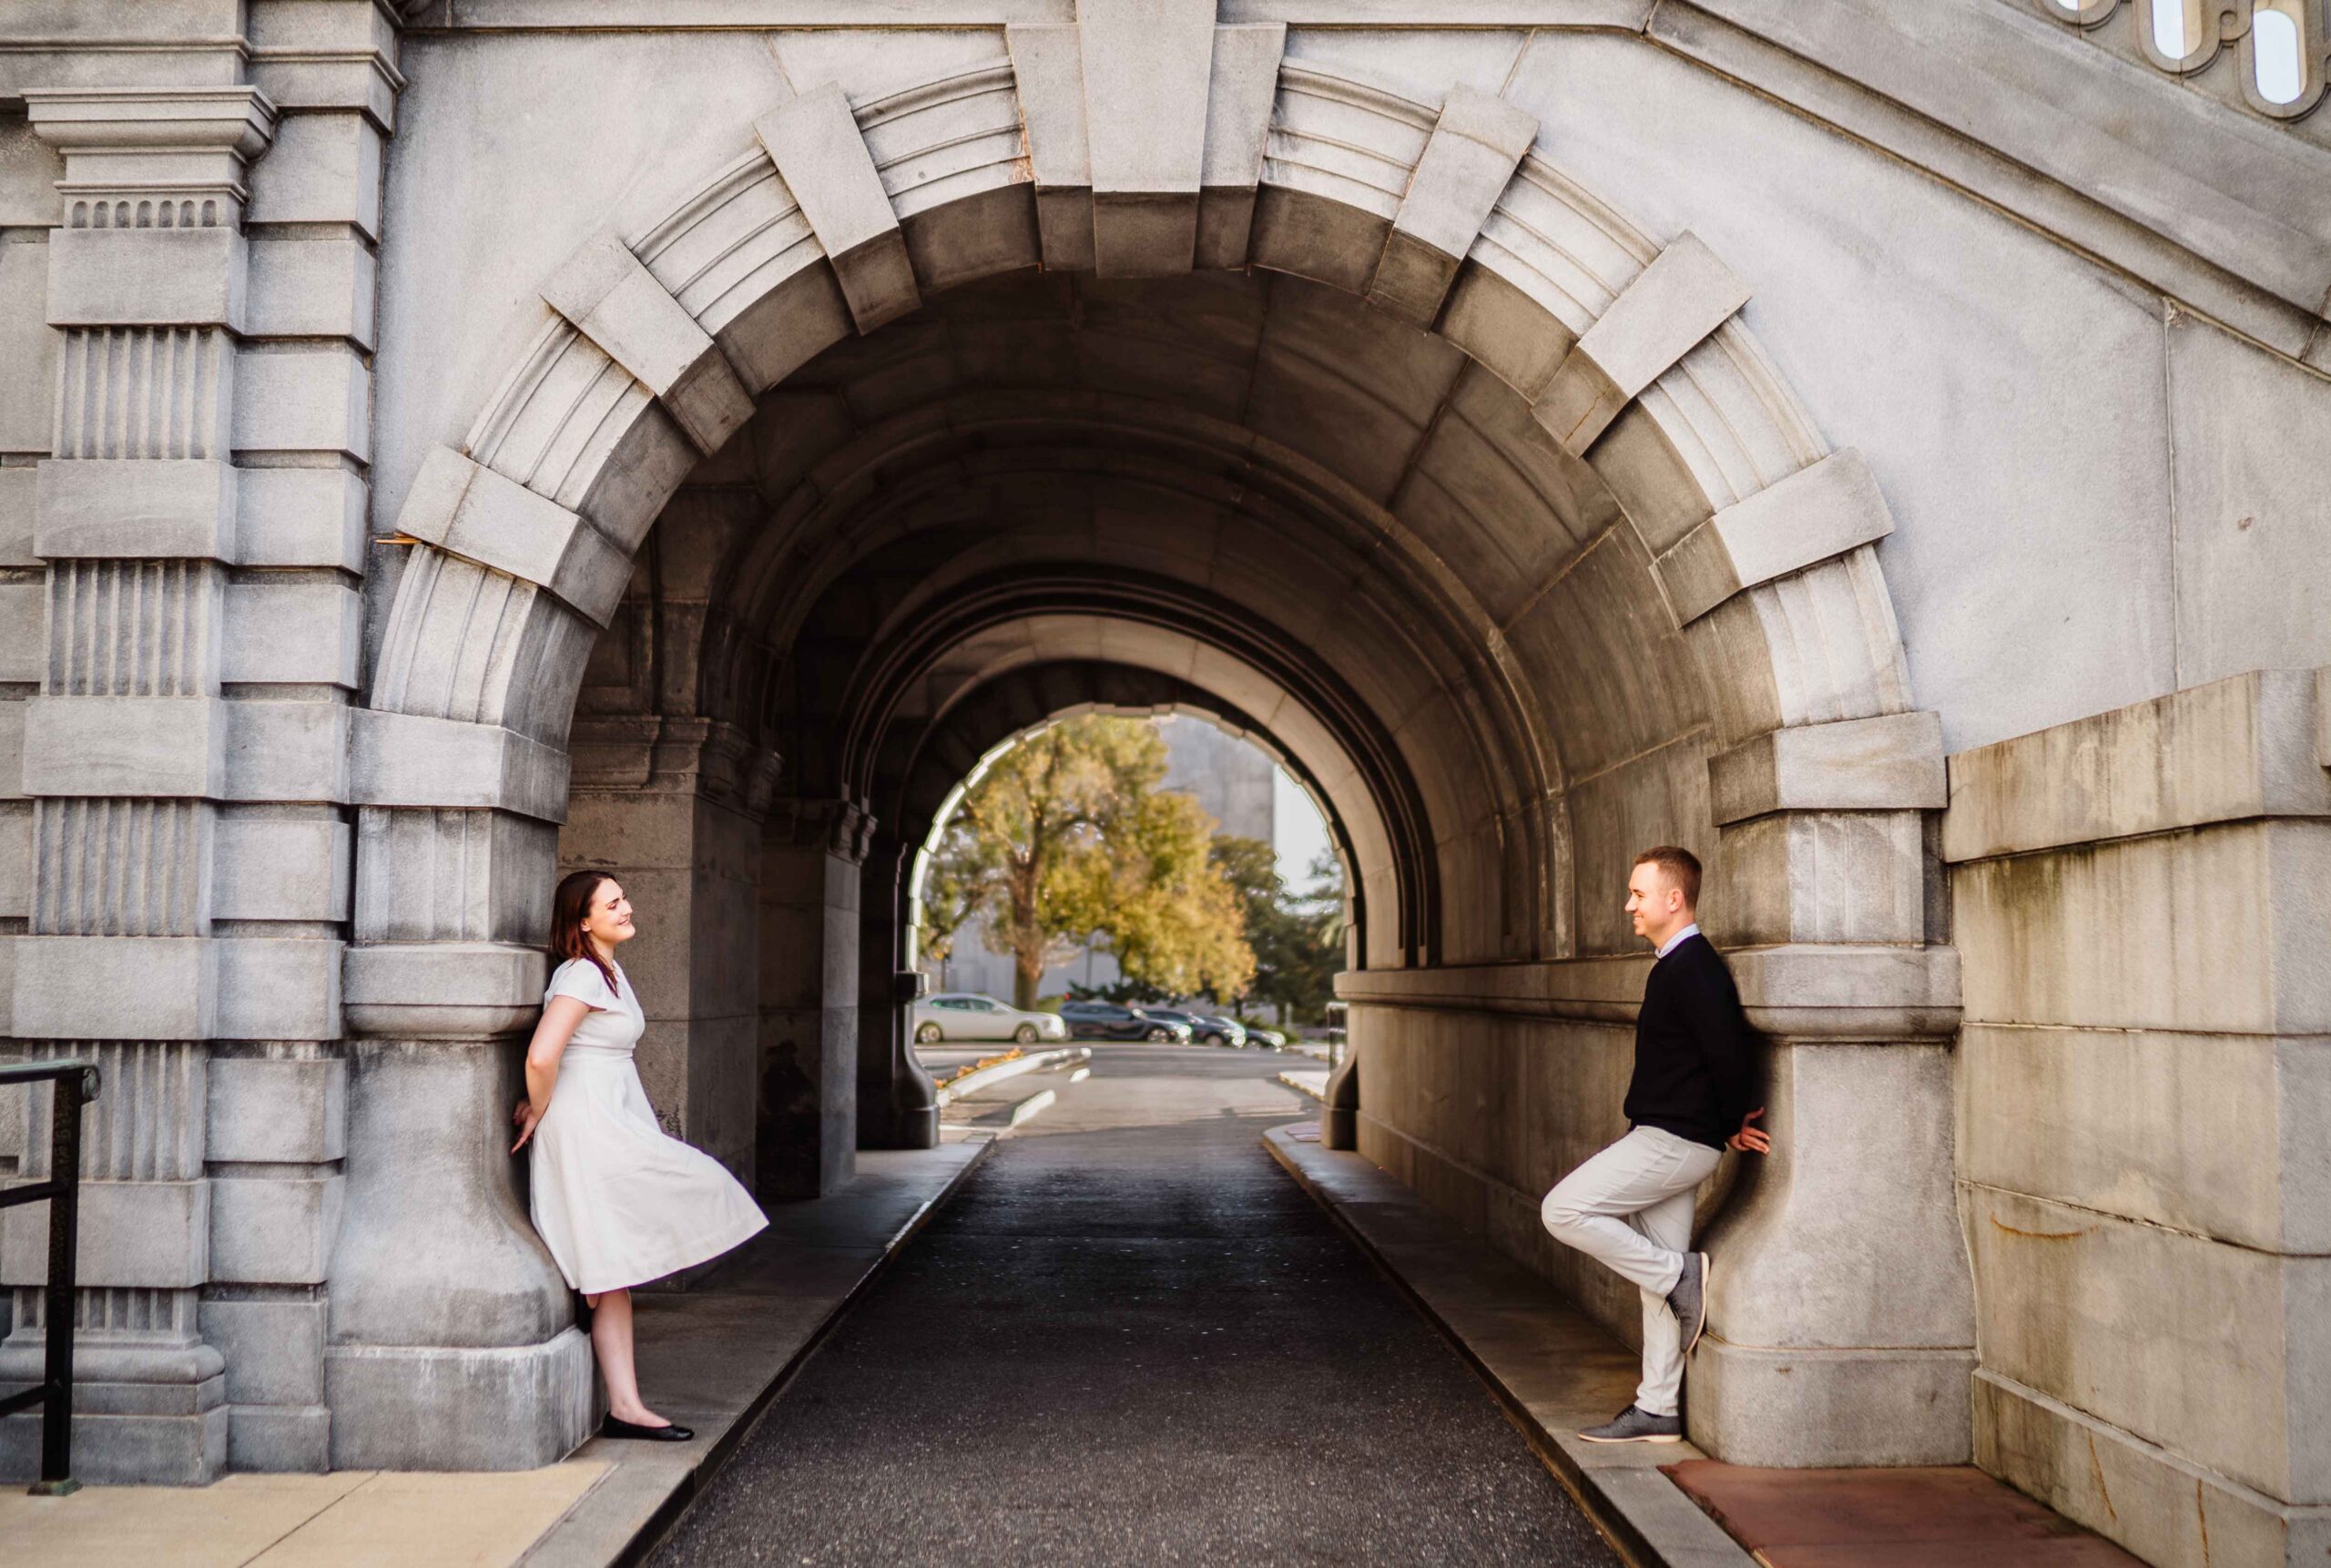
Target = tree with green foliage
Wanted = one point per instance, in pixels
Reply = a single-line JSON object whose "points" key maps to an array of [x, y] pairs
{"points": [[1297, 933], [949, 900], [1066, 837]]}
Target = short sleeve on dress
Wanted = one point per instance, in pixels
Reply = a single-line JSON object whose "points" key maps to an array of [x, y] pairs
{"points": [[582, 981]]}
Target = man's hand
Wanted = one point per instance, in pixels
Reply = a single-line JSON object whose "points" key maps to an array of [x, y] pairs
{"points": [[1750, 1140]]}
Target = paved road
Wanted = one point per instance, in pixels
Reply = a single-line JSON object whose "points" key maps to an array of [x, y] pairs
{"points": [[1131, 1339]]}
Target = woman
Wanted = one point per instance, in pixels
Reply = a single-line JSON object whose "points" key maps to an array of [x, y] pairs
{"points": [[618, 1203]]}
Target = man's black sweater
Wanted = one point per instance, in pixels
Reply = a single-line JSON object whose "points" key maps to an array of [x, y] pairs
{"points": [[1695, 1066]]}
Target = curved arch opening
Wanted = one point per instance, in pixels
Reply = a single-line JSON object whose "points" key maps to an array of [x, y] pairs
{"points": [[1228, 723], [1558, 573]]}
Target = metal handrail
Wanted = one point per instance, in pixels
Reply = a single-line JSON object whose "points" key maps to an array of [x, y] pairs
{"points": [[77, 1081]]}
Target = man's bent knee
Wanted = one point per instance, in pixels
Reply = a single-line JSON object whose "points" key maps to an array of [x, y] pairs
{"points": [[1559, 1214]]}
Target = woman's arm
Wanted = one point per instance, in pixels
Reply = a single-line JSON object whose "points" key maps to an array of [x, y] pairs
{"points": [[562, 1015]]}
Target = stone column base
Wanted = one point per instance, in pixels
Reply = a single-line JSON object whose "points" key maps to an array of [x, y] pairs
{"points": [[428, 1407], [1339, 1111], [148, 1414], [287, 1439], [143, 1450], [1796, 1409]]}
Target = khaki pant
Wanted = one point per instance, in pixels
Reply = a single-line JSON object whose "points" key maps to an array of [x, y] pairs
{"points": [[1630, 1207]]}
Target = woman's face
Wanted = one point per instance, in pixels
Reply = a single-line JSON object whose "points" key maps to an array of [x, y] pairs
{"points": [[609, 921]]}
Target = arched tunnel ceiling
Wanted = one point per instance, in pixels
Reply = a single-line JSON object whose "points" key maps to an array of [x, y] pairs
{"points": [[1359, 495]]}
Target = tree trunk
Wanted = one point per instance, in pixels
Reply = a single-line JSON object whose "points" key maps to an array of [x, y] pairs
{"points": [[1024, 981]]}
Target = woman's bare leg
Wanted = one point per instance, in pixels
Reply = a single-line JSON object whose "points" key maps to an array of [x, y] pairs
{"points": [[611, 1337]]}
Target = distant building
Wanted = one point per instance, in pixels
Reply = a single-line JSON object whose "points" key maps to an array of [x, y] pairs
{"points": [[1231, 779]]}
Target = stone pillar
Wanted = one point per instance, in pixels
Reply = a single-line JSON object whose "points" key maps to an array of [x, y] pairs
{"points": [[1844, 1333], [138, 947], [811, 852], [670, 807], [201, 525], [452, 1337], [897, 1107], [2144, 1075]]}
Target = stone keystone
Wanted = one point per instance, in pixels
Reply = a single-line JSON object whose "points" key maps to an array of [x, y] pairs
{"points": [[618, 304], [1466, 166], [1819, 511], [1682, 297], [815, 143], [469, 511]]}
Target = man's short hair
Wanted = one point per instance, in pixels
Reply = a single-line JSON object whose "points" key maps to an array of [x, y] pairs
{"points": [[1679, 865]]}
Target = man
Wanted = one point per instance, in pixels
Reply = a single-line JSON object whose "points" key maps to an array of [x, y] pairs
{"points": [[1630, 1207]]}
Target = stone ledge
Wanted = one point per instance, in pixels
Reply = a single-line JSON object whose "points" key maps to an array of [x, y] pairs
{"points": [[1912, 1401], [2252, 745], [442, 990], [413, 760], [278, 988], [1892, 762], [1800, 991]]}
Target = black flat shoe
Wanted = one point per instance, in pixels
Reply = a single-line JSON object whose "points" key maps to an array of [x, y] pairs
{"points": [[612, 1428]]}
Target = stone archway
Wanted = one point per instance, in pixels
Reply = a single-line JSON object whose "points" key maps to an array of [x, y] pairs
{"points": [[1647, 602]]}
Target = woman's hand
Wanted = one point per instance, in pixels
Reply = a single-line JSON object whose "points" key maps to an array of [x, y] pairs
{"points": [[1750, 1140], [525, 1118], [561, 1014]]}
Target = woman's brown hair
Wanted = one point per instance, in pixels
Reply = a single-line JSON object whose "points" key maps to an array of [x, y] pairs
{"points": [[569, 908]]}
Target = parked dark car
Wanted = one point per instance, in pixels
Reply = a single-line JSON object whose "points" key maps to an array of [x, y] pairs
{"points": [[1204, 1026], [1107, 1020]]}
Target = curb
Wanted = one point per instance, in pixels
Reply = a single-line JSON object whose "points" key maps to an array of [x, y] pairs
{"points": [[1649, 1519], [1294, 1080], [1011, 1069], [649, 1533]]}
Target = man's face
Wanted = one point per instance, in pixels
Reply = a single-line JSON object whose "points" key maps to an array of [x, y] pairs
{"points": [[1654, 903]]}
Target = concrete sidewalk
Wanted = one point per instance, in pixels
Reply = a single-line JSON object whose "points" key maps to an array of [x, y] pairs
{"points": [[1555, 1371], [710, 1357]]}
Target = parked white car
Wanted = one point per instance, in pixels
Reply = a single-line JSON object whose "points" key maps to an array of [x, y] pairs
{"points": [[968, 1015]]}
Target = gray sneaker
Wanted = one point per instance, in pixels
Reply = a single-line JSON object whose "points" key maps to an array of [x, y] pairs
{"points": [[1635, 1424], [1689, 1299]]}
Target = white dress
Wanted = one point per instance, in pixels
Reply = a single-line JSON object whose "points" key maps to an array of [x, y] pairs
{"points": [[619, 1203]]}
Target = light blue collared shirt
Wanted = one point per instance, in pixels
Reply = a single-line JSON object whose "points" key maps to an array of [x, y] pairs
{"points": [[1672, 943]]}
